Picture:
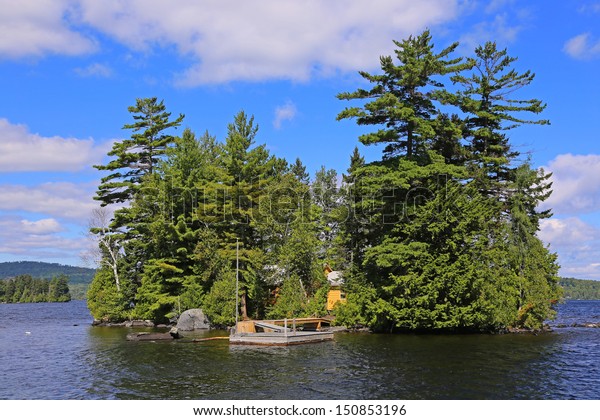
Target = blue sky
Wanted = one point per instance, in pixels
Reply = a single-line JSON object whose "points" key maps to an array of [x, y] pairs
{"points": [[70, 68]]}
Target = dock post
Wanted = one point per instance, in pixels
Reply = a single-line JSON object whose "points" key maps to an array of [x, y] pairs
{"points": [[294, 326], [285, 326]]}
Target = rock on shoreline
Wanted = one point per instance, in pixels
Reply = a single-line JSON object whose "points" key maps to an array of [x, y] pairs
{"points": [[148, 336], [193, 319], [579, 325], [128, 324]]}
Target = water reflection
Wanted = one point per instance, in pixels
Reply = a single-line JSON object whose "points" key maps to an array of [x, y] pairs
{"points": [[354, 366], [69, 359]]}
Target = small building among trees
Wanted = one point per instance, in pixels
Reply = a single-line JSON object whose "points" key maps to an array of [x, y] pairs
{"points": [[336, 293]]}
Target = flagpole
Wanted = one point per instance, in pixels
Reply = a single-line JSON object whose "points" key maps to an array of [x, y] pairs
{"points": [[237, 280]]}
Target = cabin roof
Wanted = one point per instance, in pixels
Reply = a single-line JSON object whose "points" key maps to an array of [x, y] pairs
{"points": [[335, 278]]}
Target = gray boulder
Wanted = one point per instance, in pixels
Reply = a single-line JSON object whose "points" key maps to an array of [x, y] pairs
{"points": [[193, 319]]}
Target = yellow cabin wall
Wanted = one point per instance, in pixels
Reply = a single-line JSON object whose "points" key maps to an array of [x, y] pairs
{"points": [[334, 296]]}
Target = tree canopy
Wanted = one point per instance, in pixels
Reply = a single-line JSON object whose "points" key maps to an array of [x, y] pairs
{"points": [[27, 289], [439, 234]]}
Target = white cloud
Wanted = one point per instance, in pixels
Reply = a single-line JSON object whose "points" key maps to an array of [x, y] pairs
{"points": [[587, 8], [589, 271], [39, 27], [495, 5], [95, 70], [582, 47], [576, 192], [575, 185], [21, 150], [283, 113], [41, 227], [577, 245], [57, 200], [570, 232], [224, 40], [270, 39], [504, 29], [38, 240]]}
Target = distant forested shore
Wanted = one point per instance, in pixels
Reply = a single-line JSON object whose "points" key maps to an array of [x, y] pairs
{"points": [[439, 233], [78, 278], [577, 289], [46, 270], [27, 289]]}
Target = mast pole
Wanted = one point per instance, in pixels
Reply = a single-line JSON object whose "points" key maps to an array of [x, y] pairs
{"points": [[237, 281]]}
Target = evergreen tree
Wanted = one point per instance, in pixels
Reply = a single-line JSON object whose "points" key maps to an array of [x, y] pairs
{"points": [[440, 252], [58, 289], [487, 99], [104, 301], [236, 205], [534, 268], [327, 200], [170, 282], [352, 225], [137, 156], [299, 171], [133, 180], [402, 98]]}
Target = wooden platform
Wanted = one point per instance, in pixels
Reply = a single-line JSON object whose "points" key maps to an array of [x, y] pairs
{"points": [[279, 325], [280, 332], [280, 339]]}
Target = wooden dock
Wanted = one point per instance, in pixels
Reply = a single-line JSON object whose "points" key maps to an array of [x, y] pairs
{"points": [[281, 332]]}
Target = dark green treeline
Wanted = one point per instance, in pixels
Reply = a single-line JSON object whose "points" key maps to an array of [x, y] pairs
{"points": [[27, 289], [580, 289], [440, 234]]}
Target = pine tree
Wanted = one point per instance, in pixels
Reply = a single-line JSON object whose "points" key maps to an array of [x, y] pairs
{"points": [[236, 206], [137, 156], [326, 197], [437, 251], [402, 98], [487, 98], [533, 266], [58, 290], [352, 226], [299, 171], [170, 282]]}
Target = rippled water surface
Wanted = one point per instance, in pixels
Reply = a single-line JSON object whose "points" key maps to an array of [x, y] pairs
{"points": [[51, 351]]}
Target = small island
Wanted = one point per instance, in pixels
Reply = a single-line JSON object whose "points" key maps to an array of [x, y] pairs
{"points": [[439, 234], [27, 289]]}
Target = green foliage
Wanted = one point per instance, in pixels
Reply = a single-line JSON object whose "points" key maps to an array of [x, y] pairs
{"points": [[316, 306], [360, 309], [402, 98], [219, 303], [104, 301], [580, 289], [440, 234], [78, 291], [444, 226], [137, 156], [25, 288], [487, 97], [291, 300], [58, 289], [179, 236]]}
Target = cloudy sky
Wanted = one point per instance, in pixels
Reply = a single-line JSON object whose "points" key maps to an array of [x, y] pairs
{"points": [[70, 68]]}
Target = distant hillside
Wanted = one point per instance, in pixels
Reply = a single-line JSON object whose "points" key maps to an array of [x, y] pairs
{"points": [[77, 275], [580, 289]]}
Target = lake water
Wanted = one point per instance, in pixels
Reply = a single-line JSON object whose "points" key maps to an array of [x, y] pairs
{"points": [[51, 351]]}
